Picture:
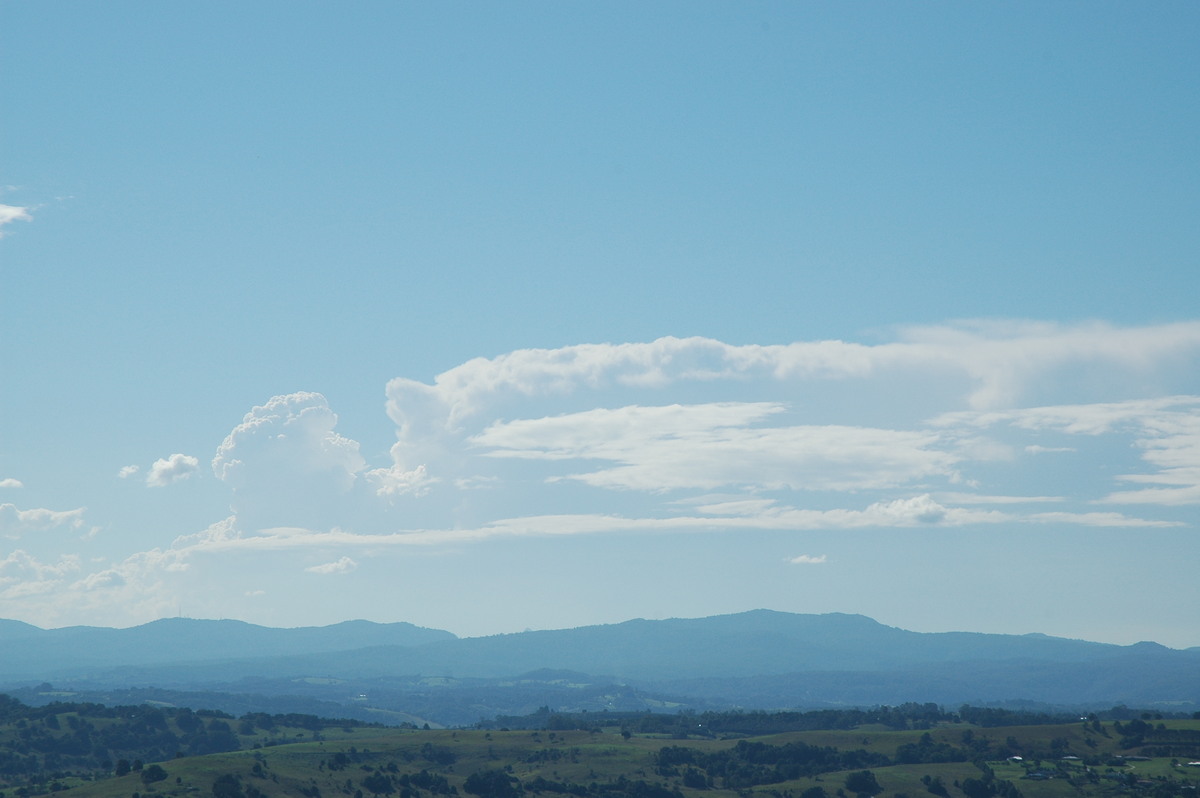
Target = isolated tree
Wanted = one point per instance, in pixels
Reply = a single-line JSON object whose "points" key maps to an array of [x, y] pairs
{"points": [[863, 782], [152, 774]]}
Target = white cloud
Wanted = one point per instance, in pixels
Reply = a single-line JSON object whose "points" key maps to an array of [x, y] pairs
{"points": [[1189, 494], [102, 580], [1096, 418], [1001, 358], [286, 463], [343, 565], [127, 471], [14, 522], [601, 402], [979, 498], [166, 471], [734, 506], [9, 482], [1171, 443], [23, 575], [52, 593], [1165, 429], [585, 421], [685, 435], [917, 511], [299, 425], [13, 213], [1101, 520], [715, 445], [1005, 358], [395, 481]]}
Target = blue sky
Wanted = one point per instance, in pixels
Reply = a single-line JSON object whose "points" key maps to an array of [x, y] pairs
{"points": [[492, 317]]}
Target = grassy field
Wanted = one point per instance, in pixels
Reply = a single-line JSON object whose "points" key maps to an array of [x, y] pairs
{"points": [[346, 763]]}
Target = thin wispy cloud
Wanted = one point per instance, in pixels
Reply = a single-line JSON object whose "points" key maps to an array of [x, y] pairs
{"points": [[342, 565], [15, 522]]}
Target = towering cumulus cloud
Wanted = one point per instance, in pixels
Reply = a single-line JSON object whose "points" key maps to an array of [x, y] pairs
{"points": [[286, 465]]}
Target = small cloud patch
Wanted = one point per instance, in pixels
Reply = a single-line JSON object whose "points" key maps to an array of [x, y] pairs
{"points": [[171, 469], [1037, 449], [808, 559], [102, 580], [13, 213], [343, 566]]}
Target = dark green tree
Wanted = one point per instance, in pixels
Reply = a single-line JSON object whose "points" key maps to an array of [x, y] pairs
{"points": [[862, 782], [152, 774]]}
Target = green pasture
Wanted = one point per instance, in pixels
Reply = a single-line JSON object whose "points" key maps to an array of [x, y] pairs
{"points": [[290, 762]]}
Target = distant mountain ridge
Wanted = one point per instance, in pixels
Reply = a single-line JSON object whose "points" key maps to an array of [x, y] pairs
{"points": [[28, 651], [758, 659]]}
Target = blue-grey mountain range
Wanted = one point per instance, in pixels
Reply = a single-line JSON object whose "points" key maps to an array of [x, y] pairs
{"points": [[755, 660]]}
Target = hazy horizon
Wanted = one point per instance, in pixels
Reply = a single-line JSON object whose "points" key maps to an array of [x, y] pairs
{"points": [[487, 318], [562, 628]]}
